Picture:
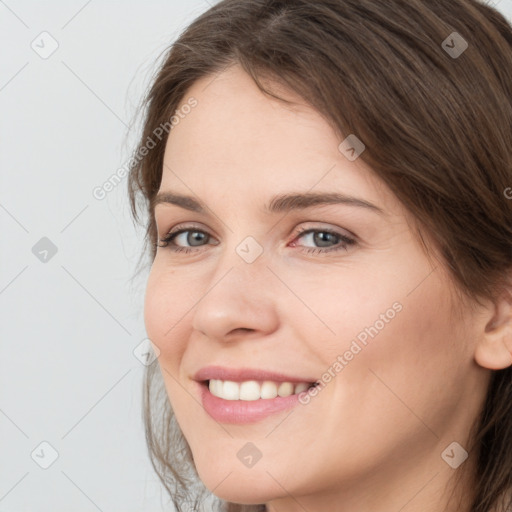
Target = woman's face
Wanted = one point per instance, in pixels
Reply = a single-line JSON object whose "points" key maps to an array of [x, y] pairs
{"points": [[261, 288]]}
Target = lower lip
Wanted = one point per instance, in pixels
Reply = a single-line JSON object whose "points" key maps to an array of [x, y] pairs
{"points": [[243, 411]]}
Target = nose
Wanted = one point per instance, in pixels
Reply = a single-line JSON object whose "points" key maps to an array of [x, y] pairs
{"points": [[238, 300]]}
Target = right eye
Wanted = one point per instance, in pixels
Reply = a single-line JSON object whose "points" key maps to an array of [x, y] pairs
{"points": [[192, 236]]}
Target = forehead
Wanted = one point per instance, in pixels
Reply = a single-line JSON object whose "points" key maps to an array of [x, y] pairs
{"points": [[238, 139]]}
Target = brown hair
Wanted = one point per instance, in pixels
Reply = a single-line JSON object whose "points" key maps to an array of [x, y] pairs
{"points": [[437, 129]]}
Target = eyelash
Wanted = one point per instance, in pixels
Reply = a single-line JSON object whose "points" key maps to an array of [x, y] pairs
{"points": [[345, 240]]}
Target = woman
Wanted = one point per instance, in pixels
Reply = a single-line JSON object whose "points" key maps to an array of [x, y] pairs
{"points": [[330, 232]]}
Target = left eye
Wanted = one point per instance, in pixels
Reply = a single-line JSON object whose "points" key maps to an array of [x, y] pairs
{"points": [[322, 237]]}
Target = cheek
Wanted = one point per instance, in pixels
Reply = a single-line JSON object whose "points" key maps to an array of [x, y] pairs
{"points": [[154, 310], [166, 327], [401, 349], [413, 371], [164, 313], [341, 310]]}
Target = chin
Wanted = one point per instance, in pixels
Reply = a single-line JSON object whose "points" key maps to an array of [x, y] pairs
{"points": [[241, 486]]}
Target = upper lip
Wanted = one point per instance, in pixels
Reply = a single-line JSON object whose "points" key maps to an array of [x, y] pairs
{"points": [[244, 374]]}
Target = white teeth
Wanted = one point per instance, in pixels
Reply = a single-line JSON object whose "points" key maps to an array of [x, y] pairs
{"points": [[285, 389], [251, 390], [268, 390], [216, 387], [299, 388], [230, 390]]}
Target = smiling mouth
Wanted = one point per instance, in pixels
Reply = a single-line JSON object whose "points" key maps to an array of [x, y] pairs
{"points": [[252, 390]]}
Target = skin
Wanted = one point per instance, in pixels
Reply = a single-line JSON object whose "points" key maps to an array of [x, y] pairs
{"points": [[372, 438]]}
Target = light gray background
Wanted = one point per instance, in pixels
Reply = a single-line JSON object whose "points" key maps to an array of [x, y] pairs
{"points": [[69, 325]]}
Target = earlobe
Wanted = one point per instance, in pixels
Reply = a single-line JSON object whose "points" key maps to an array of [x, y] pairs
{"points": [[494, 354], [494, 349]]}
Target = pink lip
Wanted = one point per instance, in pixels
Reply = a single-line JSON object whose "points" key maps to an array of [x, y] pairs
{"points": [[241, 411], [241, 374]]}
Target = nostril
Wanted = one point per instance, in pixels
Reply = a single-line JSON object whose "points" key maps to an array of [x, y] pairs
{"points": [[240, 330]]}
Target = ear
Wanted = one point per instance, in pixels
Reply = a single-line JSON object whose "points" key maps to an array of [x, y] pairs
{"points": [[494, 349]]}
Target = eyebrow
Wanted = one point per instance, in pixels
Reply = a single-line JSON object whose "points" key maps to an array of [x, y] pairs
{"points": [[278, 204]]}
